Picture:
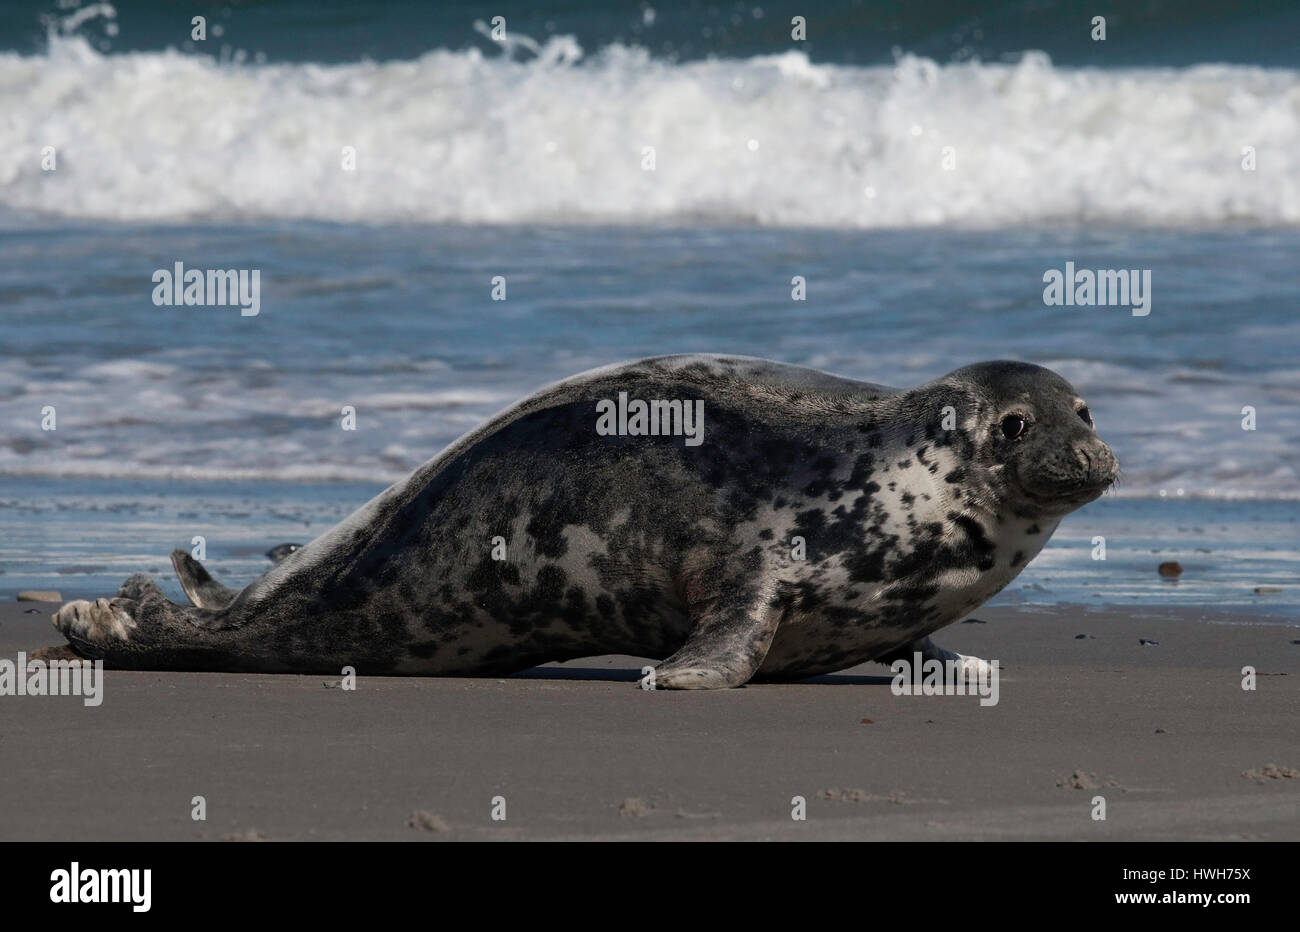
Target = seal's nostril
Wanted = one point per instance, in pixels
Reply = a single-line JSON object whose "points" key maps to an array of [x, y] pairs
{"points": [[1102, 464]]}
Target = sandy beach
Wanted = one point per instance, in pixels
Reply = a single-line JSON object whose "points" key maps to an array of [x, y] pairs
{"points": [[1164, 732]]}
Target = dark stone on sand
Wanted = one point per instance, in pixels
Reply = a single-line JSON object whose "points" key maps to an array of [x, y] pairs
{"points": [[1147, 642], [1170, 568]]}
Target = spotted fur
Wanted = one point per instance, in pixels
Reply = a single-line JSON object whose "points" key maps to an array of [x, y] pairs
{"points": [[652, 547]]}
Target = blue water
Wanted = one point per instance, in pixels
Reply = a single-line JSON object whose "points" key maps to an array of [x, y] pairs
{"points": [[920, 168], [856, 32], [400, 324]]}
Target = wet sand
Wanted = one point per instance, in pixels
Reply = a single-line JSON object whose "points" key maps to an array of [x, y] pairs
{"points": [[1165, 733]]}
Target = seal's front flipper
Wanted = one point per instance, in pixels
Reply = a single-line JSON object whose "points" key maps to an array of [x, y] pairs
{"points": [[725, 649], [973, 669], [201, 588]]}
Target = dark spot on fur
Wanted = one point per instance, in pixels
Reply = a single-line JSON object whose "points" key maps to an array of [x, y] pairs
{"points": [[423, 649], [981, 548]]}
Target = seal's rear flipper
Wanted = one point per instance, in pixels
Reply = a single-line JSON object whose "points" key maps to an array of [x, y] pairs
{"points": [[202, 589], [150, 633], [278, 553]]}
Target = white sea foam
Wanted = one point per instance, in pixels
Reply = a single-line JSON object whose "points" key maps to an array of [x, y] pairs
{"points": [[772, 140]]}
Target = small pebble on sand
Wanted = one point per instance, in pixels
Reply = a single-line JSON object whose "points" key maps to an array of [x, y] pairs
{"points": [[427, 821]]}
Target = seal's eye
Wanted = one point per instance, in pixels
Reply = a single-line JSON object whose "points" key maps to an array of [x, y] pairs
{"points": [[1085, 415], [1013, 425]]}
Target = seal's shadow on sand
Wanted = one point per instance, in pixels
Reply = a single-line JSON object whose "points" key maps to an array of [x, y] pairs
{"points": [[615, 675]]}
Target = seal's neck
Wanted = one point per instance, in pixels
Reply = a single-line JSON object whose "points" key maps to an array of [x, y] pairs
{"points": [[1018, 541]]}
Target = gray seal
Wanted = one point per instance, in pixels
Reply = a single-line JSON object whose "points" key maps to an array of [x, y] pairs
{"points": [[742, 518]]}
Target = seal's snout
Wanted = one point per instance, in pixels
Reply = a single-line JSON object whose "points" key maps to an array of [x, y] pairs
{"points": [[1101, 468], [1066, 473]]}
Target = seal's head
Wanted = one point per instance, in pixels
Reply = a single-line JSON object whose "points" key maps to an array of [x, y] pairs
{"points": [[1037, 437]]}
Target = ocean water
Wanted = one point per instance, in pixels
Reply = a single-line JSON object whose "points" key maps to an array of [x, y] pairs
{"points": [[919, 169]]}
